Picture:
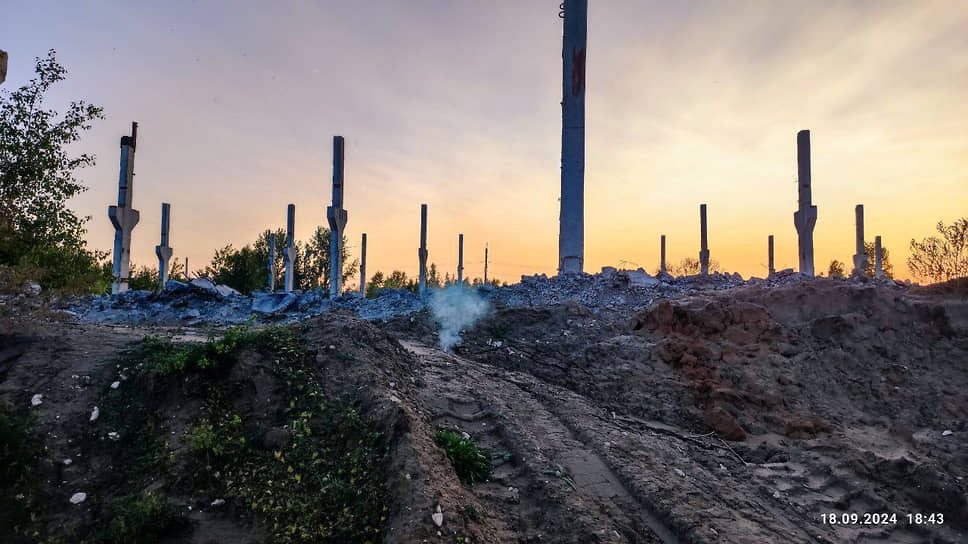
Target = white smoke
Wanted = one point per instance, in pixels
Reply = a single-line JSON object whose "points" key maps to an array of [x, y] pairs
{"points": [[454, 309]]}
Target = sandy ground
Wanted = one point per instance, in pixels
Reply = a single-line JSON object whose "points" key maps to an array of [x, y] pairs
{"points": [[744, 415]]}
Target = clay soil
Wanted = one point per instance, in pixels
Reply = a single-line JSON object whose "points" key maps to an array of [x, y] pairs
{"points": [[753, 414]]}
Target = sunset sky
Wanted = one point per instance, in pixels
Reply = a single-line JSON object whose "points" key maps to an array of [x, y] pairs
{"points": [[456, 104]]}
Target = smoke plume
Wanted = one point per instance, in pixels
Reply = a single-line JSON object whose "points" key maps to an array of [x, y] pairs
{"points": [[454, 309]]}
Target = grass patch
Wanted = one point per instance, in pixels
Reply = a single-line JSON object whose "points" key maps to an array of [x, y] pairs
{"points": [[471, 464], [141, 519], [326, 485], [167, 357], [21, 497]]}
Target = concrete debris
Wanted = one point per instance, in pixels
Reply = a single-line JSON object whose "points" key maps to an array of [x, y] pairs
{"points": [[113, 435], [36, 400], [95, 413], [78, 498], [947, 433], [31, 288], [218, 502], [203, 302], [115, 385], [67, 462]]}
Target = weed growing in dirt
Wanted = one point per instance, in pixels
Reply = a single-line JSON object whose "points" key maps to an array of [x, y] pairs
{"points": [[470, 463], [168, 357], [326, 485], [141, 518], [19, 478]]}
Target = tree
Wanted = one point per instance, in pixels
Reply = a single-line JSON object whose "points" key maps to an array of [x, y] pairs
{"points": [[316, 261], [433, 277], [886, 267], [375, 284], [837, 269], [36, 171], [941, 259]]}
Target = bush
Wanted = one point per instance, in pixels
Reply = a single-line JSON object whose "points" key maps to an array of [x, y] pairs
{"points": [[59, 269], [470, 463]]}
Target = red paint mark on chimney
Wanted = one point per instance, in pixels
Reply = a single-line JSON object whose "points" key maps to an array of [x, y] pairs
{"points": [[578, 73]]}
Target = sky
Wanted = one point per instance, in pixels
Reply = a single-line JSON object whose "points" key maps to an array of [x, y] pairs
{"points": [[457, 104]]}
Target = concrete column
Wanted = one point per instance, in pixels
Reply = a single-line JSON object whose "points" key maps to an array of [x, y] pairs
{"points": [[163, 250], [289, 253], [772, 268], [123, 216], [271, 265], [662, 259], [860, 257], [336, 216], [805, 218], [571, 235], [363, 266], [460, 259], [703, 242], [485, 263], [878, 264], [422, 252], [186, 269], [3, 66]]}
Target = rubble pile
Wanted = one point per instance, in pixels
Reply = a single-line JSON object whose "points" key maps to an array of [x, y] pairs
{"points": [[201, 301]]}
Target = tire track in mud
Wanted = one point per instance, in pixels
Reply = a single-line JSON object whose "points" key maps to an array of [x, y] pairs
{"points": [[545, 478]]}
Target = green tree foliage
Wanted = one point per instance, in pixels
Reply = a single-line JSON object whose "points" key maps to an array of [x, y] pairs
{"points": [[40, 237], [886, 265], [837, 269], [397, 279], [478, 282], [433, 277], [374, 285], [941, 258], [246, 268]]}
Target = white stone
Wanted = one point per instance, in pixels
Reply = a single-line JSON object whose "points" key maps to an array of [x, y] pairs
{"points": [[78, 498], [680, 473], [36, 400], [218, 502], [113, 435], [438, 517], [67, 462], [946, 433], [115, 385], [395, 399], [95, 413]]}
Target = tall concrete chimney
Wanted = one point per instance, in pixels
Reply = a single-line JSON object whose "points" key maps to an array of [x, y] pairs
{"points": [[571, 235]]}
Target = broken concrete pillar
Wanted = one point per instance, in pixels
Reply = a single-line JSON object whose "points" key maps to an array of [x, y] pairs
{"points": [[336, 216], [123, 216], [186, 269], [805, 218], [662, 259], [460, 259], [771, 270], [878, 261], [571, 234], [289, 253], [271, 265], [363, 266], [860, 257], [422, 252], [3, 66], [485, 263], [163, 250], [703, 242]]}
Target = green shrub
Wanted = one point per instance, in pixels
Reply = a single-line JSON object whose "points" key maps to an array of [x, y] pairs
{"points": [[142, 518], [471, 464]]}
